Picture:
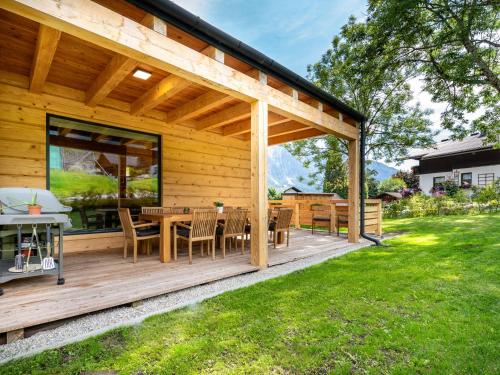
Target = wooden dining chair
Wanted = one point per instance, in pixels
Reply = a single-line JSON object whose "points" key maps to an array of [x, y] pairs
{"points": [[202, 228], [136, 232], [281, 224], [248, 226], [178, 210], [321, 216], [233, 226], [342, 217]]}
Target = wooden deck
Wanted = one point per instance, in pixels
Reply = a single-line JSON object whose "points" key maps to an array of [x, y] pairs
{"points": [[97, 280]]}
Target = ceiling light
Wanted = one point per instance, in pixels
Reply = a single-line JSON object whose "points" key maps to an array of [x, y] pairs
{"points": [[141, 74]]}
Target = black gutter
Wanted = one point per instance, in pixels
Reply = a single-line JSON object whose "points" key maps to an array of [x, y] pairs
{"points": [[362, 187], [194, 25]]}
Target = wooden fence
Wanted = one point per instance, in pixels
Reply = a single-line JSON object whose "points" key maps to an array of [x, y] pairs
{"points": [[303, 211]]}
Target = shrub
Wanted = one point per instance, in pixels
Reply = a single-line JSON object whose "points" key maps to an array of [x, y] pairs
{"points": [[391, 184]]}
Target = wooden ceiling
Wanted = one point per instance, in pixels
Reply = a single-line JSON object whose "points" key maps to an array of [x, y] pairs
{"points": [[47, 55]]}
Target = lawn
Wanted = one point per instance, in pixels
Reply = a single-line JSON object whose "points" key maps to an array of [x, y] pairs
{"points": [[429, 303]]}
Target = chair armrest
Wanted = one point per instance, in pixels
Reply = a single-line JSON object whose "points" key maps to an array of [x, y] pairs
{"points": [[145, 225], [183, 225]]}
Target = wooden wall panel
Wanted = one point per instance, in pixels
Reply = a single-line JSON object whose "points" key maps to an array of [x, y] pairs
{"points": [[198, 167]]}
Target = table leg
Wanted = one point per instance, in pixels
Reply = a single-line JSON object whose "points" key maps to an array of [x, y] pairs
{"points": [[165, 250]]}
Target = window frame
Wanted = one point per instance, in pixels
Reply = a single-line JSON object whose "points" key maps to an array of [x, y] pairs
{"points": [[159, 138], [483, 179], [434, 180], [462, 180]]}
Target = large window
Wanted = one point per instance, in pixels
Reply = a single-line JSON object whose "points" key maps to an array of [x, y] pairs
{"points": [[96, 169], [484, 179]]}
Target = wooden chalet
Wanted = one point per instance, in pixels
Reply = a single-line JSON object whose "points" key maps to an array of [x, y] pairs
{"points": [[201, 123]]}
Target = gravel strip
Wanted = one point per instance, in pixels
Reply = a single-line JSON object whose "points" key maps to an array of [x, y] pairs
{"points": [[97, 323]]}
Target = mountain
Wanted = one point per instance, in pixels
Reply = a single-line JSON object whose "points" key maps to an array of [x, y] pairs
{"points": [[383, 171], [285, 170]]}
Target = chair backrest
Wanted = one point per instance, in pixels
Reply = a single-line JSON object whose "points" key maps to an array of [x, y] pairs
{"points": [[321, 209], [284, 218], [126, 222], [235, 221], [156, 210], [342, 210], [204, 223]]}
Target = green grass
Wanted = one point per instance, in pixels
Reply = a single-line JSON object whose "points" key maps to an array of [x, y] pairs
{"points": [[429, 303]]}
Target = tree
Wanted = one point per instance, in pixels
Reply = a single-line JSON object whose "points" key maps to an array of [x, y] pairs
{"points": [[410, 179], [391, 184], [273, 194], [366, 79], [454, 46]]}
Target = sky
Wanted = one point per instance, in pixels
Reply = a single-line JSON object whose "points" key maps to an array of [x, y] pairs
{"points": [[295, 33]]}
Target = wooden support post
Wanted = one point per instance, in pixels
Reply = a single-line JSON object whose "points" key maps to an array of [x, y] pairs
{"points": [[297, 215], [259, 112], [353, 198], [15, 335]]}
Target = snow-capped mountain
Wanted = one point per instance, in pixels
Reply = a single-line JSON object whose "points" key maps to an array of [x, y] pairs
{"points": [[285, 171]]}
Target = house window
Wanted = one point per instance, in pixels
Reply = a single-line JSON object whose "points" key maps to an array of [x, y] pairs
{"points": [[438, 181], [466, 180], [484, 179], [96, 169]]}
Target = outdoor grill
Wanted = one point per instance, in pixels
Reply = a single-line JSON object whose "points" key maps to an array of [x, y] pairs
{"points": [[28, 260]]}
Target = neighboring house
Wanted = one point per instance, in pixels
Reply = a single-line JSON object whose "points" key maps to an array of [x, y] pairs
{"points": [[390, 196], [467, 162]]}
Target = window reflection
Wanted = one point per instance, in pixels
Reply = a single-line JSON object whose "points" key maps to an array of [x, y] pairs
{"points": [[96, 169]]}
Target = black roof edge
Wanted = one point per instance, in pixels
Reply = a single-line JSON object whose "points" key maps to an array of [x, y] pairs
{"points": [[194, 25]]}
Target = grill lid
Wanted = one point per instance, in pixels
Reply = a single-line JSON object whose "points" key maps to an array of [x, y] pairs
{"points": [[13, 201]]}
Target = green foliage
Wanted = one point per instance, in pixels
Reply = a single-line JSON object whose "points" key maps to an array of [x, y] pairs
{"points": [[427, 304], [451, 188], [391, 184], [459, 202], [454, 46], [411, 180], [273, 194]]}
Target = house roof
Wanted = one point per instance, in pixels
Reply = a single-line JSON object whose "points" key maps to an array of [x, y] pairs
{"points": [[474, 142], [194, 25]]}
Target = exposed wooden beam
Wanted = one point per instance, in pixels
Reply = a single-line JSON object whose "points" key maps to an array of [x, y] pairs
{"points": [[113, 31], [155, 24], [64, 131], [258, 151], [303, 134], [46, 46], [214, 53], [244, 126], [353, 192], [158, 94], [117, 69], [198, 106], [226, 116], [287, 128]]}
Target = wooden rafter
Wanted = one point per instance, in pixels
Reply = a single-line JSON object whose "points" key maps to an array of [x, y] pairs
{"points": [[232, 114], [286, 128], [243, 127], [158, 94], [198, 106], [116, 70], [46, 46], [308, 133]]}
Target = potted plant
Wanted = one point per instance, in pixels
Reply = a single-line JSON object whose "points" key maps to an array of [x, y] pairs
{"points": [[219, 206], [33, 207]]}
